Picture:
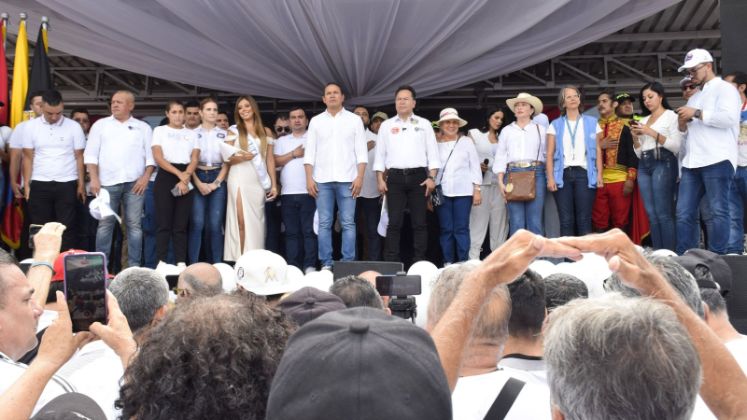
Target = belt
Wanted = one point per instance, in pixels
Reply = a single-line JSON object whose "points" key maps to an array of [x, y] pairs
{"points": [[525, 164], [206, 167], [408, 171]]}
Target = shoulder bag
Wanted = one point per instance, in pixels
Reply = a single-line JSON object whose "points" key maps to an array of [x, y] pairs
{"points": [[521, 186]]}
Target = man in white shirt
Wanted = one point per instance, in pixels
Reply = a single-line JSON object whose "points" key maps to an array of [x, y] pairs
{"points": [[368, 205], [717, 318], [16, 145], [119, 159], [297, 206], [710, 120], [406, 163], [335, 160], [480, 381], [53, 165]]}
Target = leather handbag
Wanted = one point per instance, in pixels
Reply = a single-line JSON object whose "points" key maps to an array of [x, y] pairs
{"points": [[521, 186]]}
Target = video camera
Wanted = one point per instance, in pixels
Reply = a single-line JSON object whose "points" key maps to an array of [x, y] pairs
{"points": [[401, 288]]}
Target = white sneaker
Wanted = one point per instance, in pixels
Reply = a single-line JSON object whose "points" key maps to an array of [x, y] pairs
{"points": [[327, 267], [309, 270]]}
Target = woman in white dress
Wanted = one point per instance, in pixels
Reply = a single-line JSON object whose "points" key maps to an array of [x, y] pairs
{"points": [[250, 181]]}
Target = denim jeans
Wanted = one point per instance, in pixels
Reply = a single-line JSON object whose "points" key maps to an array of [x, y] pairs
{"points": [[208, 215], [575, 201], [657, 182], [453, 218], [714, 182], [329, 194], [300, 240], [737, 197], [528, 214], [133, 211]]}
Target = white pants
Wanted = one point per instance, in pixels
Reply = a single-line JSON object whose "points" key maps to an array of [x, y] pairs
{"points": [[491, 213]]}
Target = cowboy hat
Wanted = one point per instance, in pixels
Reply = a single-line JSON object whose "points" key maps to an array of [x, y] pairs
{"points": [[534, 101]]}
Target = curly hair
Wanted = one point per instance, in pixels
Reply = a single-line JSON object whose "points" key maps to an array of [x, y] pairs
{"points": [[213, 357]]}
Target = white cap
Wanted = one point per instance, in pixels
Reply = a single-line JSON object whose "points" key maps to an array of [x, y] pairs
{"points": [[265, 273], [100, 208], [227, 275], [695, 57]]}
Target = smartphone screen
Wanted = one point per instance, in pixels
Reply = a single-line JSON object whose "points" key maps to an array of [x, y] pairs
{"points": [[398, 285], [85, 289], [33, 230]]}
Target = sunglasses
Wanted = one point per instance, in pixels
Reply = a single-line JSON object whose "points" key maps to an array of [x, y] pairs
{"points": [[282, 130], [695, 69], [688, 87]]}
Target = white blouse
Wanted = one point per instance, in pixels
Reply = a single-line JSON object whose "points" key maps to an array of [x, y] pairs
{"points": [[462, 170], [666, 125], [516, 144], [485, 151]]}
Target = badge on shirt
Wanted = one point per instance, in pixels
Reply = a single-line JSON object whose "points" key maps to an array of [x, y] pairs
{"points": [[395, 130], [199, 135], [221, 135]]}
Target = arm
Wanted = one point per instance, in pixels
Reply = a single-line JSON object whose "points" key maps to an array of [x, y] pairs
{"points": [[91, 158], [166, 165], [16, 156], [47, 243], [600, 162], [361, 157], [282, 160], [28, 164], [475, 171], [550, 163], [81, 191], [270, 161], [726, 110]]}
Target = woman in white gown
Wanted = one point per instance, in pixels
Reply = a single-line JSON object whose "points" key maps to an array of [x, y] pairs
{"points": [[245, 213]]}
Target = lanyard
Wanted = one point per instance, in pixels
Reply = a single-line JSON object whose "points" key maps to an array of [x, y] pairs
{"points": [[572, 133]]}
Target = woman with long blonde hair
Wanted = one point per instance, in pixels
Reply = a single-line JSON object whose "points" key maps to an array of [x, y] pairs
{"points": [[250, 181]]}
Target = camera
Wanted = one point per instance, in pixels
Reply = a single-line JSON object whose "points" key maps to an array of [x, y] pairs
{"points": [[401, 288]]}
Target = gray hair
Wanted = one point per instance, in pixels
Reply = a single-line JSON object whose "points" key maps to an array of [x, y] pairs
{"points": [[492, 323], [677, 276], [561, 288], [356, 292], [5, 260], [201, 284], [716, 303], [620, 358], [561, 97], [140, 293]]}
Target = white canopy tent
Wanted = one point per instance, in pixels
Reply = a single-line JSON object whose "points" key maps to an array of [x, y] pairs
{"points": [[290, 48]]}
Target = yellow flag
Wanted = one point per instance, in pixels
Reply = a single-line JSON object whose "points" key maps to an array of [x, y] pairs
{"points": [[20, 76]]}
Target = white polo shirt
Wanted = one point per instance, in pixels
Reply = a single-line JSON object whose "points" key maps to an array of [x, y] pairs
{"points": [[293, 174], [335, 145], [121, 150], [177, 144], [54, 147], [406, 144], [16, 137], [208, 141], [714, 138]]}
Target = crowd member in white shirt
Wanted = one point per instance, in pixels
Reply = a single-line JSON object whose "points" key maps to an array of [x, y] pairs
{"points": [[710, 121], [119, 160], [16, 146], [192, 116], [209, 202], [717, 318], [53, 165], [738, 192], [480, 379], [656, 142], [335, 160], [490, 216], [176, 152], [406, 165], [521, 147], [459, 180], [368, 204], [296, 204]]}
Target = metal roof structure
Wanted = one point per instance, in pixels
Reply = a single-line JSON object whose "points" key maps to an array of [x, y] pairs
{"points": [[648, 50]]}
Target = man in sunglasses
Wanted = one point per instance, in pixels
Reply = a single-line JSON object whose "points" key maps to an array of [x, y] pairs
{"points": [[688, 88], [710, 120], [273, 216]]}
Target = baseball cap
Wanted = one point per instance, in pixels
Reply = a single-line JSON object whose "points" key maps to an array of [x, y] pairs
{"points": [[624, 96], [380, 115], [719, 269], [359, 363], [59, 263], [309, 303], [265, 273], [70, 406], [695, 57]]}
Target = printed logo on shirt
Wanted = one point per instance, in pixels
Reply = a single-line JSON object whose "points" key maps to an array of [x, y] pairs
{"points": [[221, 135], [199, 135], [395, 130]]}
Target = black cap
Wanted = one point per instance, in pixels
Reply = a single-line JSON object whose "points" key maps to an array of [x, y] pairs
{"points": [[309, 303], [70, 406], [624, 96], [719, 269]]}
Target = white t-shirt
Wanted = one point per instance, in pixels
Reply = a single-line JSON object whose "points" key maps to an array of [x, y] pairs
{"points": [[474, 395], [293, 174], [485, 150], [10, 372], [738, 349], [574, 152], [370, 188], [177, 143], [54, 148]]}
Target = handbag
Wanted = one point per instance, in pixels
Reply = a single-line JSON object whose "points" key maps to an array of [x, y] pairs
{"points": [[437, 195], [521, 186]]}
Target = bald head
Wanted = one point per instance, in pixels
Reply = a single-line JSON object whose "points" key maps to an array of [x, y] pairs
{"points": [[200, 279]]}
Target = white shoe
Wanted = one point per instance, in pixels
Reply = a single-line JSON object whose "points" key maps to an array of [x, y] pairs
{"points": [[327, 267], [309, 270]]}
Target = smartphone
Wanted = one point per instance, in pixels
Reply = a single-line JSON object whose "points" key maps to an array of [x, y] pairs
{"points": [[398, 285], [85, 289], [33, 230]]}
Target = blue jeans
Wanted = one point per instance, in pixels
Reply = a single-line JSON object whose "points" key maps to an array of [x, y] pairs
{"points": [[453, 218], [329, 194], [149, 229], [657, 182], [737, 197], [207, 210], [714, 182], [300, 240], [133, 212], [528, 214], [575, 201]]}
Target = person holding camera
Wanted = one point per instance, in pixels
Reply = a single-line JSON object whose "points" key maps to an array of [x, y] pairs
{"points": [[176, 152], [656, 141], [458, 185]]}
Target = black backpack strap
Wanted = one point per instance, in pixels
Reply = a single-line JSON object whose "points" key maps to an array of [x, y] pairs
{"points": [[505, 399]]}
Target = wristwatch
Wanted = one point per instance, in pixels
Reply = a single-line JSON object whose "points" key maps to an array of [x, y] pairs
{"points": [[431, 178], [698, 114]]}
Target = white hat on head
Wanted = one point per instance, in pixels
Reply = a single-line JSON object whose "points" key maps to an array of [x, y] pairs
{"points": [[695, 57], [321, 280], [534, 101], [428, 273], [227, 276], [265, 273], [450, 114]]}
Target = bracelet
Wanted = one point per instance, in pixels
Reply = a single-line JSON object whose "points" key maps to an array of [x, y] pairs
{"points": [[217, 183], [42, 264]]}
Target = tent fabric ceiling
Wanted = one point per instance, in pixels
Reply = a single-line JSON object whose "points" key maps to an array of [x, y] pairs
{"points": [[290, 48]]}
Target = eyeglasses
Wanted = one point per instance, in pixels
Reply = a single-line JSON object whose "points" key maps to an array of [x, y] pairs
{"points": [[695, 69], [688, 87], [282, 129]]}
